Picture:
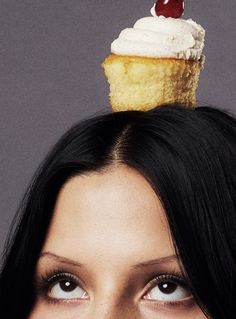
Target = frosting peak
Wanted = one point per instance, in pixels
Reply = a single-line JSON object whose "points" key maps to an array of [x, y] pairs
{"points": [[157, 36]]}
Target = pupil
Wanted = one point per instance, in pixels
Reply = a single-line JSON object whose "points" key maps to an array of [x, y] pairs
{"points": [[167, 287], [67, 286]]}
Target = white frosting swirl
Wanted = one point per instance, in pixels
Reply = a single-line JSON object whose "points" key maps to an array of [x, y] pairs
{"points": [[158, 36]]}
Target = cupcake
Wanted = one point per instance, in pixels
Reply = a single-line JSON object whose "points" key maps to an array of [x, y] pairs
{"points": [[156, 62]]}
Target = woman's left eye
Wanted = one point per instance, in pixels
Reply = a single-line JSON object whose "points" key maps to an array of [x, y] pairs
{"points": [[66, 289], [168, 290]]}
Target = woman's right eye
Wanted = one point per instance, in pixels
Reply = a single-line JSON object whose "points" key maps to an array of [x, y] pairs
{"points": [[65, 287]]}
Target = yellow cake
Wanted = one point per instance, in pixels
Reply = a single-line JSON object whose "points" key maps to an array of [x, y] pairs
{"points": [[141, 83]]}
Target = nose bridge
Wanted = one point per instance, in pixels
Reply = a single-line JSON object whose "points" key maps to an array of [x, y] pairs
{"points": [[111, 300], [108, 309]]}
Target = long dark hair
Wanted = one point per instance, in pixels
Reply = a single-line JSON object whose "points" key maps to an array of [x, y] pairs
{"points": [[188, 157]]}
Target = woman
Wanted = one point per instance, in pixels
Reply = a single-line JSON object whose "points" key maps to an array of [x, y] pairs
{"points": [[131, 215]]}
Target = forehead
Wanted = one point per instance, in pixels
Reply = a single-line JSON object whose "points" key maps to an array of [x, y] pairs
{"points": [[113, 215]]}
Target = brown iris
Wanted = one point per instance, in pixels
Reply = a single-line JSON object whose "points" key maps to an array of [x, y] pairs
{"points": [[167, 287], [67, 285]]}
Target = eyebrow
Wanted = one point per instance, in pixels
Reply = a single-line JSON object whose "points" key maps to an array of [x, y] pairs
{"points": [[154, 262], [157, 262], [61, 259]]}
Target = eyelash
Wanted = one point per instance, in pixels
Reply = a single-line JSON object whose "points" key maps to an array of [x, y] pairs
{"points": [[47, 280], [174, 277]]}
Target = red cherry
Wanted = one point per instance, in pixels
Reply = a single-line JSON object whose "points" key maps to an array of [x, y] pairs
{"points": [[170, 8]]}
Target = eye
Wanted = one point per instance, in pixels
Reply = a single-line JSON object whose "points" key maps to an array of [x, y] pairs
{"points": [[65, 287], [167, 288]]}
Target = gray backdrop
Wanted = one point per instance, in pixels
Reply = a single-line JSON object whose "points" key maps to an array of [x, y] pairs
{"points": [[50, 75]]}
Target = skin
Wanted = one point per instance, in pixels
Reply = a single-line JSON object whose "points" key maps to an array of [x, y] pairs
{"points": [[110, 233]]}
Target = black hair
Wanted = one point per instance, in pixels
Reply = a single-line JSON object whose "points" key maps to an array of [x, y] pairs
{"points": [[189, 158]]}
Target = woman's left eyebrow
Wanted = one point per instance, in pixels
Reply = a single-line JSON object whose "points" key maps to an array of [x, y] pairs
{"points": [[61, 259], [158, 261]]}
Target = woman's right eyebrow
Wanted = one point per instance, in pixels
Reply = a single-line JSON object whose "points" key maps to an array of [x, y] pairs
{"points": [[61, 259]]}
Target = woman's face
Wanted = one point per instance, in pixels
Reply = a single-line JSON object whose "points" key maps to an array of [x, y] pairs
{"points": [[109, 254]]}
